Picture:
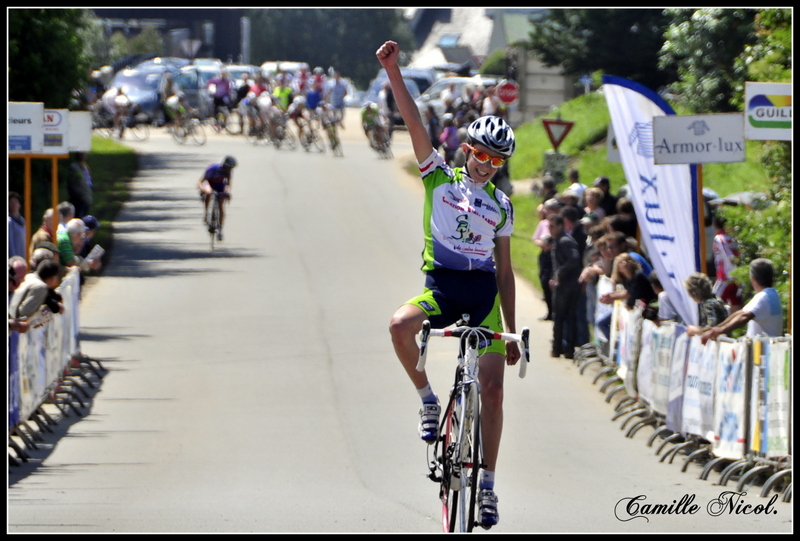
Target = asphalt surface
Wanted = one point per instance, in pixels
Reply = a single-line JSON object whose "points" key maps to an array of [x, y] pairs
{"points": [[253, 387]]}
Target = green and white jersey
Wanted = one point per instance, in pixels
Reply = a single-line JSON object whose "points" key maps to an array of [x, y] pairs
{"points": [[461, 218]]}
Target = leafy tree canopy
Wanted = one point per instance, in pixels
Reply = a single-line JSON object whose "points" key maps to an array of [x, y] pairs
{"points": [[621, 42], [345, 39], [46, 55]]}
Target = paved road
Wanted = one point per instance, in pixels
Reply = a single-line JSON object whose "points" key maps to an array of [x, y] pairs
{"points": [[254, 388]]}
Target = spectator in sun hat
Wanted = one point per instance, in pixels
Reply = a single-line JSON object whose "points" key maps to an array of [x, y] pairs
{"points": [[92, 225]]}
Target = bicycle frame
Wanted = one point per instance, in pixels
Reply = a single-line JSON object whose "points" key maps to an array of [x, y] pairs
{"points": [[458, 455]]}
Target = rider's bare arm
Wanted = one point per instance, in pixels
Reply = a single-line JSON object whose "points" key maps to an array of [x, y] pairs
{"points": [[387, 55]]}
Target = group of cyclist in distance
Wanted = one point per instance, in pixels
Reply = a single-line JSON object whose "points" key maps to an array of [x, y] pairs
{"points": [[269, 102], [468, 224]]}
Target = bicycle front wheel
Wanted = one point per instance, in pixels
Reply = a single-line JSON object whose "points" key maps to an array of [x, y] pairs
{"points": [[471, 459], [198, 132], [451, 483], [213, 221]]}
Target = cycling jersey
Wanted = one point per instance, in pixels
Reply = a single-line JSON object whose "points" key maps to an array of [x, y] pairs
{"points": [[313, 98], [284, 94], [461, 218], [216, 177], [369, 116]]}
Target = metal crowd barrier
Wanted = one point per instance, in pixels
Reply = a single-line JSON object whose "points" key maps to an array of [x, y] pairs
{"points": [[725, 405], [45, 366]]}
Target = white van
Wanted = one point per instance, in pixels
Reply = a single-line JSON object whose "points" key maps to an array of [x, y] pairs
{"points": [[270, 67]]}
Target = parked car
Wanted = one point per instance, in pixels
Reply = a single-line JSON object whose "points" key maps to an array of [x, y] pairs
{"points": [[269, 68], [424, 77], [172, 62], [463, 86], [142, 85]]}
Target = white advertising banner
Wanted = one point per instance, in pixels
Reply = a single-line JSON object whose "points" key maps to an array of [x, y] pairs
{"points": [[728, 434], [644, 370], [698, 395], [663, 339], [677, 377], [665, 197], [779, 398], [80, 131], [768, 111], [25, 125]]}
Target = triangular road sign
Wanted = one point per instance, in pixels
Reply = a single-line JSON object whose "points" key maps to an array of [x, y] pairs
{"points": [[556, 130]]}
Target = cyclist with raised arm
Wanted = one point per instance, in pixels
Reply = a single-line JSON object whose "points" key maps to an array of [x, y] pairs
{"points": [[217, 178], [467, 261]]}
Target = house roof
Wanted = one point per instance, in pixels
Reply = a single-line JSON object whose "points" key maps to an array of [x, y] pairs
{"points": [[472, 27]]}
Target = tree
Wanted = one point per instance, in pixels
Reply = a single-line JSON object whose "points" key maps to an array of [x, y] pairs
{"points": [[703, 45], [621, 42], [47, 55], [345, 39]]}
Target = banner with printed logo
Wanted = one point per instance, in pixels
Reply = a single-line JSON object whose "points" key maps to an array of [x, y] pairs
{"points": [[769, 397], [677, 377], [665, 197], [644, 369], [663, 340], [728, 434], [698, 393], [630, 340], [779, 398]]}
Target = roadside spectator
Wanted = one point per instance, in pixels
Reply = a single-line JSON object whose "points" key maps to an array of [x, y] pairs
{"points": [[542, 239], [17, 269], [609, 201], [80, 185], [712, 310], [490, 106], [625, 218], [619, 242], [666, 309], [92, 225], [66, 212], [763, 315], [574, 228], [449, 138], [15, 278], [44, 233], [434, 126], [460, 158], [569, 198], [548, 188], [16, 226], [337, 93], [36, 289], [42, 253], [636, 287], [564, 286], [725, 251], [576, 186], [70, 244], [593, 197]]}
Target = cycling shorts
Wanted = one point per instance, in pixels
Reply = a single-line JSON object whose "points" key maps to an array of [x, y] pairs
{"points": [[450, 293]]}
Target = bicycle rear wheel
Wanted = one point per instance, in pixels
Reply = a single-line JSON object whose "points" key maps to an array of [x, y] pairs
{"points": [[233, 124], [140, 131]]}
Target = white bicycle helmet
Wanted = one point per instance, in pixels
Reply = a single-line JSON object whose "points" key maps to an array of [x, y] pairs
{"points": [[494, 133]]}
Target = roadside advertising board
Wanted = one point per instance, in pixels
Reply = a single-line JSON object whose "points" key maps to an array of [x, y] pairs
{"points": [[768, 111], [717, 138]]}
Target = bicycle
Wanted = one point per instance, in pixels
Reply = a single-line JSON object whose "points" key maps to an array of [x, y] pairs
{"points": [[311, 139], [189, 126], [136, 123], [283, 136], [214, 226], [380, 142], [333, 137], [457, 451]]}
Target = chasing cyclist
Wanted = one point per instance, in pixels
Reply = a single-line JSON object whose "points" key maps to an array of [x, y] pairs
{"points": [[217, 178], [467, 260], [372, 122]]}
